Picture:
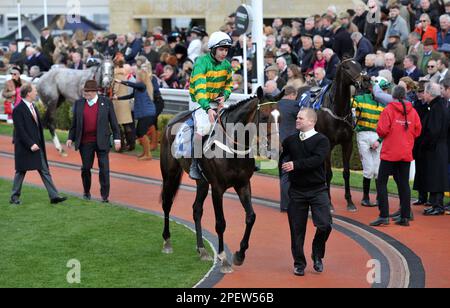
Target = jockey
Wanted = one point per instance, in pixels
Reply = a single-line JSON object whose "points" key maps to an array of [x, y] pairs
{"points": [[210, 86]]}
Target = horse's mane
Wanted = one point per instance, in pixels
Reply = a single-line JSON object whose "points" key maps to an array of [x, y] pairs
{"points": [[233, 107]]}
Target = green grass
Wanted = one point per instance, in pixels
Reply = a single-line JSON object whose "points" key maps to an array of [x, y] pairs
{"points": [[117, 247]]}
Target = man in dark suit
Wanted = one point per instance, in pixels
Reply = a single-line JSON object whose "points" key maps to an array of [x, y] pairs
{"points": [[319, 77], [29, 146], [411, 70], [332, 63], [289, 109], [93, 120], [47, 44], [307, 152]]}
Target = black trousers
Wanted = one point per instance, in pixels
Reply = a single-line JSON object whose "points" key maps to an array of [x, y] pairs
{"points": [[401, 170], [87, 152], [298, 209]]}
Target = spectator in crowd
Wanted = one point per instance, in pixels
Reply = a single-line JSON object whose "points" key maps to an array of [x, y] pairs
{"points": [[269, 59], [282, 66], [15, 57], [185, 74], [29, 146], [290, 56], [326, 31], [133, 49], [415, 46], [195, 46], [318, 60], [410, 87], [360, 16], [295, 78], [77, 63], [396, 23], [93, 120], [410, 68], [238, 84], [318, 42], [343, 44], [443, 36], [369, 65], [426, 30], [111, 45], [47, 43], [442, 65], [432, 150], [389, 62], [169, 77], [289, 108], [374, 31], [271, 88], [159, 70], [320, 79], [425, 7], [399, 126], [433, 72], [17, 81], [9, 94], [122, 44], [306, 54], [362, 46], [428, 53], [397, 48], [332, 63], [151, 55], [272, 74]]}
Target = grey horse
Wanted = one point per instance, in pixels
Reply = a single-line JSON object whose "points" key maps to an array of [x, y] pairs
{"points": [[63, 84]]}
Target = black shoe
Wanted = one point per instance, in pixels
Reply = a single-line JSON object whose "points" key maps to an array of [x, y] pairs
{"points": [[87, 197], [105, 201], [298, 271], [434, 212], [15, 202], [396, 214], [318, 264], [58, 200], [283, 210], [398, 217], [367, 203], [419, 202], [380, 221], [402, 222]]}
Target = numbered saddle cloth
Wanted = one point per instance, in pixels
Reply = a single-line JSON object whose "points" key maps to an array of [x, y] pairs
{"points": [[182, 146], [313, 98]]}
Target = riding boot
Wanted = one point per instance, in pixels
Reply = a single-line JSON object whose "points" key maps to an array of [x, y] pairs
{"points": [[153, 135], [366, 190], [194, 172], [146, 155]]}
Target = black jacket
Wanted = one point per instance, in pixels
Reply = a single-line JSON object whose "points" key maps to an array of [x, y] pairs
{"points": [[365, 47], [343, 44], [331, 67], [106, 121], [431, 148], [26, 134]]}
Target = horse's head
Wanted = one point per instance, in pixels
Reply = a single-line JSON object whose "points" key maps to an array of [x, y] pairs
{"points": [[107, 73], [351, 72]]}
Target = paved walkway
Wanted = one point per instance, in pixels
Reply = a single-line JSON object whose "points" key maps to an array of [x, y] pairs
{"points": [[410, 257]]}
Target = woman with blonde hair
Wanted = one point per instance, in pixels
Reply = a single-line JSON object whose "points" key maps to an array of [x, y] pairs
{"points": [[144, 108], [295, 78]]}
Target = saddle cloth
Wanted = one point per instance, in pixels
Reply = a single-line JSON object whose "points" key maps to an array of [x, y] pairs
{"points": [[309, 100]]}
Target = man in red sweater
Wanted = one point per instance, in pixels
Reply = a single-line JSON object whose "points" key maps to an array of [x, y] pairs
{"points": [[93, 120]]}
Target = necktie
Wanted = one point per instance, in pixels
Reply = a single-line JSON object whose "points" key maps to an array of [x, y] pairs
{"points": [[33, 112], [302, 136]]}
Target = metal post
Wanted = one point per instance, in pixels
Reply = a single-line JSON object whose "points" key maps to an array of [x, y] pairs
{"points": [[45, 14], [19, 19], [245, 64], [257, 36]]}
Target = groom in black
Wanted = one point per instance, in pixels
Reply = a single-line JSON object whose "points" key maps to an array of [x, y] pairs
{"points": [[303, 158]]}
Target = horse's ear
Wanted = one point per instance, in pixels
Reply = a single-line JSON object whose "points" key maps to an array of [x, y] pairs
{"points": [[260, 93], [279, 96]]}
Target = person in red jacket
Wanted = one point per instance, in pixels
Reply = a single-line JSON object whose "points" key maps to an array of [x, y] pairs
{"points": [[399, 126]]}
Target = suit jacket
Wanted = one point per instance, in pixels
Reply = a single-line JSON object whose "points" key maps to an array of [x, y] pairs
{"points": [[415, 75], [27, 133], [106, 121]]}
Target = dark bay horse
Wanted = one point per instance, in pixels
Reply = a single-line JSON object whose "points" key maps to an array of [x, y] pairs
{"points": [[220, 174], [335, 119], [60, 84]]}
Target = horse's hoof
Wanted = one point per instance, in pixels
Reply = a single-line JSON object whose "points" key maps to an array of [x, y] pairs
{"points": [[167, 247], [351, 208], [226, 269], [63, 153], [237, 259], [204, 255]]}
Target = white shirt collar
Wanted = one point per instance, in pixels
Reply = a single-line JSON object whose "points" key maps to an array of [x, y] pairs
{"points": [[95, 99], [308, 134]]}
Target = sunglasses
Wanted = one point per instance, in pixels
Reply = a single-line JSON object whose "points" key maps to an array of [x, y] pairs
{"points": [[424, 21], [431, 66]]}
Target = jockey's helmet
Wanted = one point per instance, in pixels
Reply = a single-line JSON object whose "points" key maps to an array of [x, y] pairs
{"points": [[383, 83], [219, 39]]}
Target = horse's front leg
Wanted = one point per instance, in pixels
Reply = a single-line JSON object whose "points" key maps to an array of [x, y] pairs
{"points": [[49, 122], [217, 195], [202, 193], [245, 195], [347, 150]]}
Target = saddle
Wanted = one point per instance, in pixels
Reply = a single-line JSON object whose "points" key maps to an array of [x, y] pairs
{"points": [[313, 98]]}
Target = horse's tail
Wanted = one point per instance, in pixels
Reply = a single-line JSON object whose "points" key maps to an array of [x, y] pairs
{"points": [[170, 169]]}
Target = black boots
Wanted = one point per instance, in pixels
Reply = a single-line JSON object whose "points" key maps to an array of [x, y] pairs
{"points": [[366, 190]]}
